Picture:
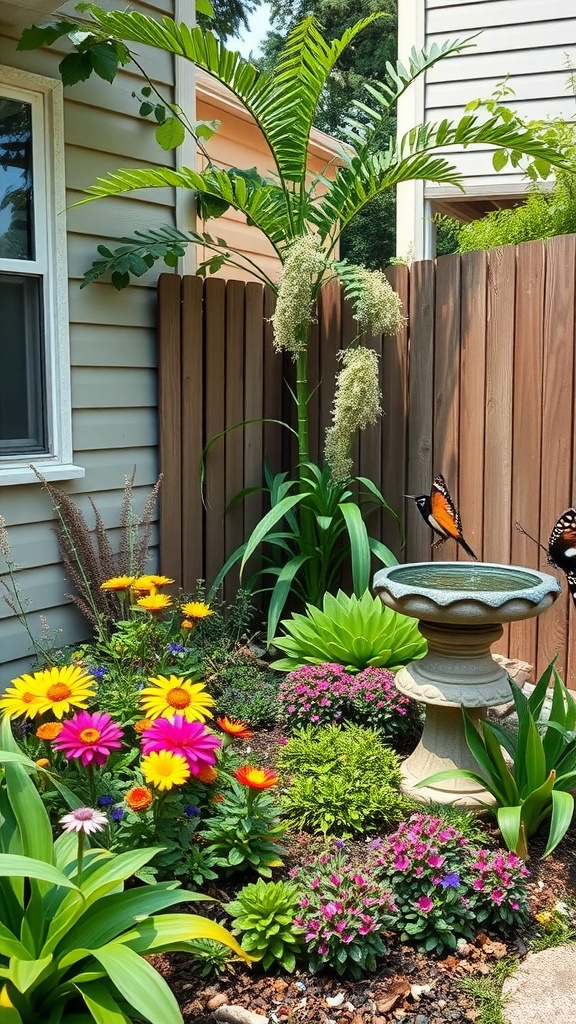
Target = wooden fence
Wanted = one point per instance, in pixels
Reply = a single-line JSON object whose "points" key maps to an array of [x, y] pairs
{"points": [[480, 387]]}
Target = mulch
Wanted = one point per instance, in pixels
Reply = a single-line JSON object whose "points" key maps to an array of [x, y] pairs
{"points": [[410, 987]]}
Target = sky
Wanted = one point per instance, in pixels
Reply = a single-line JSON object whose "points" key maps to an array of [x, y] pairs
{"points": [[250, 40]]}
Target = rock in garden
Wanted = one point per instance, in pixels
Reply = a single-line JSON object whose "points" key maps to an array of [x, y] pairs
{"points": [[239, 1015], [220, 999], [542, 989]]}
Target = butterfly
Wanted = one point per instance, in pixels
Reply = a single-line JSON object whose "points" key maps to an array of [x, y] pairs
{"points": [[561, 550], [440, 512]]}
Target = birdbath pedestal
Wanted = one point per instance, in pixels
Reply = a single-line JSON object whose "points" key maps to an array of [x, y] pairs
{"points": [[461, 609]]}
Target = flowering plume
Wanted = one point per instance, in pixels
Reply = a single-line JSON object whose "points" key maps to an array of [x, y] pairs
{"points": [[378, 308], [357, 402], [304, 261]]}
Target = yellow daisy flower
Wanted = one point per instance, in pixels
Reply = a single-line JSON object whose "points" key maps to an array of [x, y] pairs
{"points": [[19, 700], [164, 769], [196, 610], [160, 581], [176, 696], [59, 690], [154, 602], [117, 583], [144, 585]]}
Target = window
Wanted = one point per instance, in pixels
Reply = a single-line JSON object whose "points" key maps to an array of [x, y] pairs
{"points": [[35, 410]]}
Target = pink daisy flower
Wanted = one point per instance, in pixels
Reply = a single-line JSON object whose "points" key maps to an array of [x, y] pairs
{"points": [[191, 740], [90, 737], [84, 819]]}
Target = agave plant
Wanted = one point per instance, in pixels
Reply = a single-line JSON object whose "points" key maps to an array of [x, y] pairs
{"points": [[297, 212], [355, 632], [72, 939], [535, 784]]}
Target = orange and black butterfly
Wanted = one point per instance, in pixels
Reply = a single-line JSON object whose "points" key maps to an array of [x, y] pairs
{"points": [[561, 550], [440, 512]]}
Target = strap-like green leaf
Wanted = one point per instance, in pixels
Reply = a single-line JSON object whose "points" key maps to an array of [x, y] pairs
{"points": [[562, 813], [280, 593], [359, 547], [265, 525], [139, 984], [101, 1003], [509, 821]]}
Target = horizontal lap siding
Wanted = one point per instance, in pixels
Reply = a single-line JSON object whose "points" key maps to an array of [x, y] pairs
{"points": [[112, 341], [529, 41]]}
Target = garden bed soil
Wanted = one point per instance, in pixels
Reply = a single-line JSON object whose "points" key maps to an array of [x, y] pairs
{"points": [[411, 987]]}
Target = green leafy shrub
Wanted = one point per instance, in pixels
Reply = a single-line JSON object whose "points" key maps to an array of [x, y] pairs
{"points": [[245, 691], [342, 781], [242, 831], [263, 914], [342, 913], [355, 632]]}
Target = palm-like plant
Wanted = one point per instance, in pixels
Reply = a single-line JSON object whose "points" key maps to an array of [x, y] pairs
{"points": [[289, 205]]}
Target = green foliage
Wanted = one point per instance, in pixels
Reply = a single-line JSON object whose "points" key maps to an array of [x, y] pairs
{"points": [[355, 632], [487, 992], [555, 927], [211, 959], [263, 914], [543, 772], [342, 781], [247, 692], [467, 823], [73, 941], [242, 832], [313, 524]]}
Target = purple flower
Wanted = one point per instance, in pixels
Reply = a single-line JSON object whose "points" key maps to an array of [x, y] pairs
{"points": [[451, 881], [105, 801], [176, 648], [339, 844], [117, 814], [98, 672], [191, 811]]}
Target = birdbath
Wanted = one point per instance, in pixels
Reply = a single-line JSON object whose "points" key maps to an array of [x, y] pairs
{"points": [[461, 607]]}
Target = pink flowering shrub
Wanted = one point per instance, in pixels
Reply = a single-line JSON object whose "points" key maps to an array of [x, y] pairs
{"points": [[327, 695], [445, 888], [342, 914]]}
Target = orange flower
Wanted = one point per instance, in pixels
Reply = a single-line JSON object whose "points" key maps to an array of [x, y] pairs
{"points": [[154, 602], [144, 585], [117, 583], [218, 798], [139, 798], [256, 778], [234, 727], [43, 762], [141, 725], [48, 731], [207, 775], [160, 581], [186, 624]]}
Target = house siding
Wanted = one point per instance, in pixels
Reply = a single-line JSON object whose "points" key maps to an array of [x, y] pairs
{"points": [[528, 40], [112, 342]]}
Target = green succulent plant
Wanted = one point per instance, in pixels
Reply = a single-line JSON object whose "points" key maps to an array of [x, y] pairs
{"points": [[355, 632], [263, 913]]}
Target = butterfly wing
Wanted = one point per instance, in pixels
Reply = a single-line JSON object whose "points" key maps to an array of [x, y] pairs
{"points": [[562, 547], [444, 510]]}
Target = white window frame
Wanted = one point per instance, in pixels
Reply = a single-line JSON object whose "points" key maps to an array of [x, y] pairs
{"points": [[45, 96]]}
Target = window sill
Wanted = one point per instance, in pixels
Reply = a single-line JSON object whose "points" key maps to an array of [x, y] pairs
{"points": [[23, 474]]}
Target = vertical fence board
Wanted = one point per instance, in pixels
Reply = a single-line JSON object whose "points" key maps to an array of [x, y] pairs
{"points": [[170, 429], [233, 370], [527, 427], [215, 327], [420, 405], [273, 388], [472, 398], [447, 382], [390, 475], [253, 404], [557, 423], [192, 432]]}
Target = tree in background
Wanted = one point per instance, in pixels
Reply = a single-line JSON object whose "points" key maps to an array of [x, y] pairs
{"points": [[229, 17], [371, 239]]}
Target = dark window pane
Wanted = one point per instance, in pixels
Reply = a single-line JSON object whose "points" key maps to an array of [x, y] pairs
{"points": [[16, 220], [22, 403]]}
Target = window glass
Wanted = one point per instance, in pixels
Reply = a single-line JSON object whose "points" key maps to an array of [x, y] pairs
{"points": [[16, 209], [22, 405]]}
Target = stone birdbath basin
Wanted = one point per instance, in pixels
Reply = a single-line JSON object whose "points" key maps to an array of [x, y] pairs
{"points": [[461, 607]]}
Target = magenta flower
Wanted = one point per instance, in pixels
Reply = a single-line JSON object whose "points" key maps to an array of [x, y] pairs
{"points": [[497, 896], [401, 862], [89, 737], [191, 740], [425, 904]]}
